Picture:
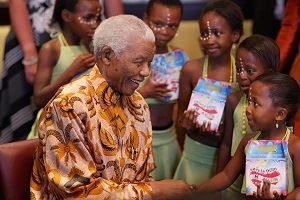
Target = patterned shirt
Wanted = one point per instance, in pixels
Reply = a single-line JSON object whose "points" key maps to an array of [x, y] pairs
{"points": [[94, 144]]}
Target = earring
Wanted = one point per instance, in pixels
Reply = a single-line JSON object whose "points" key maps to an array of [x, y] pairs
{"points": [[276, 125]]}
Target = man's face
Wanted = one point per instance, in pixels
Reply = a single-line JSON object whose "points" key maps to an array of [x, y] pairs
{"points": [[130, 68]]}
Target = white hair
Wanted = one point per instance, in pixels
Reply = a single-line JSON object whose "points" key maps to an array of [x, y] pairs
{"points": [[116, 31]]}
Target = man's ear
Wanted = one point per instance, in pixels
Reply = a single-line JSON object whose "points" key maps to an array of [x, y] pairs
{"points": [[281, 114], [107, 54], [66, 15]]}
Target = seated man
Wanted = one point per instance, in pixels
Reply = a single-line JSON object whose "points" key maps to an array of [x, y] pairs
{"points": [[95, 134]]}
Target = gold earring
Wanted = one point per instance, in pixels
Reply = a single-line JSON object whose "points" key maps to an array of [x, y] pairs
{"points": [[276, 125]]}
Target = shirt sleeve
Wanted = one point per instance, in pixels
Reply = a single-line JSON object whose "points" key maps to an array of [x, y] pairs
{"points": [[70, 167]]}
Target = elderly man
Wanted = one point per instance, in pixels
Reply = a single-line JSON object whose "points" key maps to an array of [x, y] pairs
{"points": [[95, 134]]}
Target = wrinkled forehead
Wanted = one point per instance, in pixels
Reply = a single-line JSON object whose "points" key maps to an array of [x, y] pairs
{"points": [[138, 47]]}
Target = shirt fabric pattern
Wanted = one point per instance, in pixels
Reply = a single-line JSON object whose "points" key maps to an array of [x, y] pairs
{"points": [[94, 144]]}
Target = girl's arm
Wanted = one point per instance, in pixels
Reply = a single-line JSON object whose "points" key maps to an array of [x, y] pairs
{"points": [[185, 91], [294, 149], [231, 171], [22, 26], [225, 147], [49, 55]]}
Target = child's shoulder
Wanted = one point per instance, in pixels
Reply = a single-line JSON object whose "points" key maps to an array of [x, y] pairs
{"points": [[194, 64], [192, 68], [247, 138], [51, 45], [50, 51], [174, 48], [294, 142], [294, 148]]}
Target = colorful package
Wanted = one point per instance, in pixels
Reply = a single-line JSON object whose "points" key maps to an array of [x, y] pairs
{"points": [[166, 69], [208, 99], [267, 160]]}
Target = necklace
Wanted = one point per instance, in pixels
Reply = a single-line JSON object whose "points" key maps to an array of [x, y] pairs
{"points": [[205, 68], [286, 133], [243, 114]]}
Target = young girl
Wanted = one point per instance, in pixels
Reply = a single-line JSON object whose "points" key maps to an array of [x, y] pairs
{"points": [[221, 25], [163, 17], [64, 57], [273, 100], [255, 55]]}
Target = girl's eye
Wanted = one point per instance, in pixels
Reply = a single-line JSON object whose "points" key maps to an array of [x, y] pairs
{"points": [[204, 34], [158, 25], [255, 104], [249, 71], [173, 27], [217, 33]]}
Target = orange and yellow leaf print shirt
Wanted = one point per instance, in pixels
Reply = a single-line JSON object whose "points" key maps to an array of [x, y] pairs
{"points": [[94, 144]]}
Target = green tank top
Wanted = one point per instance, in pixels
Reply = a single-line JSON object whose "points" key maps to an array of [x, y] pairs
{"points": [[238, 114], [66, 57], [232, 79]]}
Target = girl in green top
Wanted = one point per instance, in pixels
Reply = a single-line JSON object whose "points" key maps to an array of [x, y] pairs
{"points": [[255, 55], [273, 101], [67, 55], [221, 25]]}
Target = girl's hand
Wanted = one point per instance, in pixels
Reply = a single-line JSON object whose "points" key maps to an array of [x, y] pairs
{"points": [[189, 119], [205, 128], [154, 89], [83, 62], [265, 193]]}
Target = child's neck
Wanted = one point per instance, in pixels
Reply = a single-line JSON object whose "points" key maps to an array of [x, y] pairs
{"points": [[274, 134], [162, 49], [70, 38], [220, 61]]}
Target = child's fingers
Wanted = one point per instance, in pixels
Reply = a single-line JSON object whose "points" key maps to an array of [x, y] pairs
{"points": [[265, 189], [204, 127], [258, 191], [276, 195], [255, 195], [185, 120]]}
